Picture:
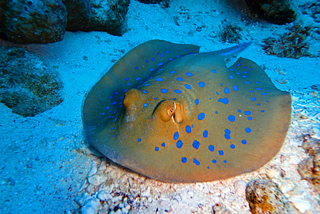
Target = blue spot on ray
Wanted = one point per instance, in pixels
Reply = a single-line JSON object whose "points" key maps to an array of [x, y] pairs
{"points": [[184, 160], [195, 144], [247, 112], [224, 100], [227, 133], [201, 84], [196, 101], [179, 79], [187, 86], [231, 118], [176, 135], [226, 90], [177, 91], [179, 144], [201, 116], [159, 79], [164, 90], [211, 148], [205, 134], [156, 149], [189, 74], [188, 129], [221, 152], [196, 162], [248, 130]]}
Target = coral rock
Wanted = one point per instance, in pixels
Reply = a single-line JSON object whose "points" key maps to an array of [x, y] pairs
{"points": [[293, 44], [275, 11], [34, 21], [265, 197], [91, 207], [231, 33], [165, 3], [309, 169], [79, 13], [27, 85], [107, 16]]}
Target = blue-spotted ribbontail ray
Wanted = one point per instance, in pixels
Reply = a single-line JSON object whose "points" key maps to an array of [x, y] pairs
{"points": [[175, 115]]}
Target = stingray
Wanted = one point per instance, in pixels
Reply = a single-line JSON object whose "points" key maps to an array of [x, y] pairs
{"points": [[173, 114]]}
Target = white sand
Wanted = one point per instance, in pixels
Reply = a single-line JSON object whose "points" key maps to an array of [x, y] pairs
{"points": [[44, 159]]}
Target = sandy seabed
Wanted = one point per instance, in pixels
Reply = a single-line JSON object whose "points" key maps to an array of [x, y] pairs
{"points": [[46, 164]]}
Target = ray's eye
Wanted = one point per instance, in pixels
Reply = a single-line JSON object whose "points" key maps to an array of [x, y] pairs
{"points": [[169, 110]]}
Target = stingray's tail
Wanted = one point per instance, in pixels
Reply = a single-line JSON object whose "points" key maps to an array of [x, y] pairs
{"points": [[228, 52]]}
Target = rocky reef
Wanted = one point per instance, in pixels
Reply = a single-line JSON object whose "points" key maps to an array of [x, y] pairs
{"points": [[79, 13], [312, 8], [45, 21], [264, 196], [230, 33], [107, 16], [309, 168], [274, 11], [164, 3], [292, 44], [27, 86], [28, 21]]}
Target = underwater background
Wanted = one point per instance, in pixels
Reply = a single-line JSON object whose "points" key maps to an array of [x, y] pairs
{"points": [[46, 164]]}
